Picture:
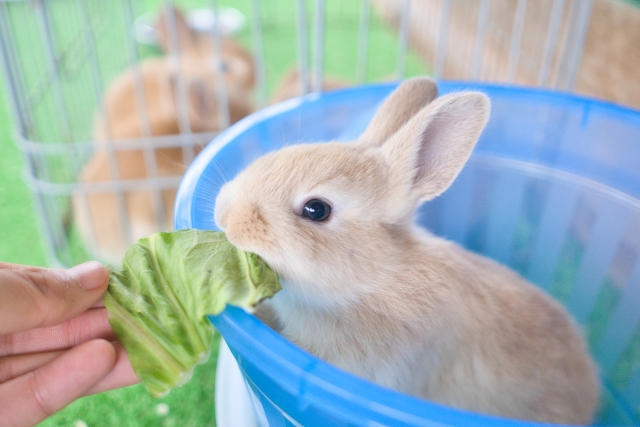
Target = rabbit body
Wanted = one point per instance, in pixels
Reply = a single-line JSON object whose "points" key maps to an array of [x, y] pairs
{"points": [[374, 294], [99, 214], [124, 120], [448, 326]]}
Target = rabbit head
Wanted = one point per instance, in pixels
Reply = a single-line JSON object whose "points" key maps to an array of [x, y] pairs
{"points": [[174, 34], [327, 216], [201, 89]]}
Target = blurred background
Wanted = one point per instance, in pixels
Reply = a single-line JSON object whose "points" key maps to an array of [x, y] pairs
{"points": [[104, 104]]}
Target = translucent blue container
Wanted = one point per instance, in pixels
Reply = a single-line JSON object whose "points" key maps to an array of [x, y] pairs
{"points": [[552, 190]]}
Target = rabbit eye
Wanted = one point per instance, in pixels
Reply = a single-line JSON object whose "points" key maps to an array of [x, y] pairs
{"points": [[316, 210]]}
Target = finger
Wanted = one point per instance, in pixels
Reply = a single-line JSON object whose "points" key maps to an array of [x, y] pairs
{"points": [[122, 374], [13, 366], [91, 324], [37, 297], [98, 304], [30, 398]]}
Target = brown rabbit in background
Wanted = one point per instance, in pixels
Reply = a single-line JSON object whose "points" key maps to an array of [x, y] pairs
{"points": [[123, 121], [367, 290]]}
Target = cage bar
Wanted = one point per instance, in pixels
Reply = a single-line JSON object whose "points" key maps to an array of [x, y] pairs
{"points": [[303, 55], [403, 36], [481, 33], [550, 43], [516, 39], [363, 41], [184, 122], [580, 13], [318, 46], [217, 67], [47, 37], [96, 78], [441, 52], [258, 53]]}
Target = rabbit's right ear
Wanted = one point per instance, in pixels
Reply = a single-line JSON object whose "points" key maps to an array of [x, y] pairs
{"points": [[409, 98], [164, 22], [430, 150]]}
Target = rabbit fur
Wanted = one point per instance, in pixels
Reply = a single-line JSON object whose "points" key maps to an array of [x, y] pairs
{"points": [[372, 293], [123, 121]]}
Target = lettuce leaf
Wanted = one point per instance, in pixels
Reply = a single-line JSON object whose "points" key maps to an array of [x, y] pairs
{"points": [[168, 284]]}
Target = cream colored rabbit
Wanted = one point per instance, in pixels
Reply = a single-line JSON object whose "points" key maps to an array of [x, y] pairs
{"points": [[124, 121], [367, 290]]}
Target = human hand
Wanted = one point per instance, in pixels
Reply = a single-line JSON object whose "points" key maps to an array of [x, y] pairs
{"points": [[56, 344]]}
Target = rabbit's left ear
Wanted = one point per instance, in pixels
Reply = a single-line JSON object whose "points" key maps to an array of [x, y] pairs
{"points": [[429, 151], [172, 23], [403, 103]]}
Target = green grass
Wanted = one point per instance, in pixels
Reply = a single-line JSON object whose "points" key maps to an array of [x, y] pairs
{"points": [[191, 405], [21, 238]]}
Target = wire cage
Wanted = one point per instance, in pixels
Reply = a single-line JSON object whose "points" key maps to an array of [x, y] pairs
{"points": [[112, 100]]}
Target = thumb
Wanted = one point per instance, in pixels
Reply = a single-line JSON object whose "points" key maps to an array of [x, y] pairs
{"points": [[32, 297]]}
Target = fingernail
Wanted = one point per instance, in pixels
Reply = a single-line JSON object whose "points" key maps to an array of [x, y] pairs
{"points": [[91, 275]]}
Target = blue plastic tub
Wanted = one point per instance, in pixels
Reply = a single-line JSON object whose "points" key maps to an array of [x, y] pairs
{"points": [[552, 190]]}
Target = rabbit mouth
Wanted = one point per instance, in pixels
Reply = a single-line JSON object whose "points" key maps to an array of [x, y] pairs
{"points": [[259, 245]]}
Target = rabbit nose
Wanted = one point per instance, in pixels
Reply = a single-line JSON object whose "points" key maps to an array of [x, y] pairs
{"points": [[246, 226], [243, 218]]}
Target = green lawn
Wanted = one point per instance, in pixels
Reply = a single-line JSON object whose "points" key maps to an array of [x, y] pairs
{"points": [[189, 406], [21, 237]]}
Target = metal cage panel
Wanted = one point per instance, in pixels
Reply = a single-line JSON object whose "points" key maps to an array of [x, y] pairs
{"points": [[62, 59]]}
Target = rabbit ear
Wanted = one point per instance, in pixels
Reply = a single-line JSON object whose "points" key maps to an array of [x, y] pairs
{"points": [[429, 151], [186, 37], [411, 96]]}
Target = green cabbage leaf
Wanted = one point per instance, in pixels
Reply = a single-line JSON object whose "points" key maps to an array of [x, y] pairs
{"points": [[169, 283]]}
